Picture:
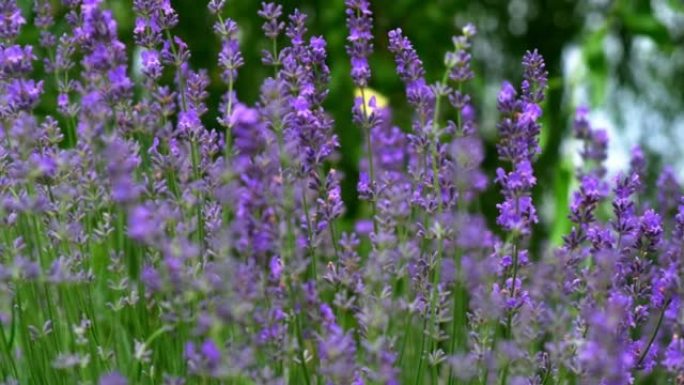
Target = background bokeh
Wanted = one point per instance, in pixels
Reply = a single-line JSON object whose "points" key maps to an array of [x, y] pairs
{"points": [[623, 58]]}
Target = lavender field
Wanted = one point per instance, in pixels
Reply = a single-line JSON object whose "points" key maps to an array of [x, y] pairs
{"points": [[151, 236]]}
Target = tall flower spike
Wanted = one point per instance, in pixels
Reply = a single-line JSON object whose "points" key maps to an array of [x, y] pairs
{"points": [[411, 72], [625, 221], [271, 12], [230, 58], [519, 132], [459, 59], [11, 19], [215, 6], [594, 144], [519, 128], [296, 28], [535, 77], [360, 39], [272, 28], [330, 205]]}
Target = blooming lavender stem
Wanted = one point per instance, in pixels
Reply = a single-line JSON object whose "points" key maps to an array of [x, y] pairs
{"points": [[230, 32], [654, 334], [272, 28], [176, 61], [369, 150], [360, 24], [518, 145]]}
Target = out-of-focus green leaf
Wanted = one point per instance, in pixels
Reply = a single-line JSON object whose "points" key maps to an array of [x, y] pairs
{"points": [[544, 136], [561, 193], [648, 25], [597, 64], [676, 5]]}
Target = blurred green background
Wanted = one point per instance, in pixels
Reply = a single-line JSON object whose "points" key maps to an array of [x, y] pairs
{"points": [[623, 58]]}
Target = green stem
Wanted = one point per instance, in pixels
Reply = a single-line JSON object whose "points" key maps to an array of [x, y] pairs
{"points": [[404, 340], [435, 375], [457, 321], [546, 376], [504, 375], [460, 294], [274, 52], [195, 155], [436, 268], [300, 339], [333, 239], [509, 319], [229, 112], [8, 349], [515, 276], [421, 352], [309, 230], [181, 80], [229, 107], [655, 333], [369, 148]]}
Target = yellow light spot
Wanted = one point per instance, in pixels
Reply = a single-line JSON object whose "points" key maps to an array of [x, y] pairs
{"points": [[380, 100]]}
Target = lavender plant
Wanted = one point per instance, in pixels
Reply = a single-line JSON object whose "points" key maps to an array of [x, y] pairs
{"points": [[142, 245]]}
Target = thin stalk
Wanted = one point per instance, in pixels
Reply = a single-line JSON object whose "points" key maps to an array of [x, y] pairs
{"points": [[300, 339], [457, 323], [195, 155], [181, 80], [419, 372], [193, 145], [504, 375], [289, 246], [309, 230], [438, 195], [435, 375], [70, 134], [369, 148], [459, 318], [274, 52], [229, 111], [515, 276], [546, 376], [509, 319], [229, 106], [147, 343], [8, 351], [404, 340], [333, 239], [655, 333]]}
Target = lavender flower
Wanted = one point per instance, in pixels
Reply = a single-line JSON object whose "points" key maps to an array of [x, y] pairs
{"points": [[230, 58], [271, 12], [411, 72], [360, 39], [12, 19], [139, 243]]}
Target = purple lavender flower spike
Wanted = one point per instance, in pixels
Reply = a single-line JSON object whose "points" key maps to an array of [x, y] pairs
{"points": [[360, 39], [411, 72], [594, 144], [11, 19], [230, 58], [271, 12]]}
